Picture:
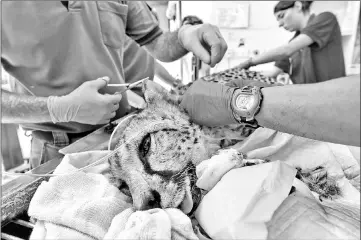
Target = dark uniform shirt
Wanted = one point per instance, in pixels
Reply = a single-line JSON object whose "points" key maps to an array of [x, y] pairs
{"points": [[322, 60]]}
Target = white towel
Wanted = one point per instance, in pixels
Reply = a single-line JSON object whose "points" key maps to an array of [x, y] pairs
{"points": [[243, 200], [305, 153], [84, 202], [84, 205], [151, 224], [225, 189]]}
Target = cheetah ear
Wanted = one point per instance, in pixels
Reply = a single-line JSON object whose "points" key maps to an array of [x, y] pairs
{"points": [[153, 92]]}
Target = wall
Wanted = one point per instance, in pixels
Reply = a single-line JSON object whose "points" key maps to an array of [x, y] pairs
{"points": [[262, 32], [160, 7]]}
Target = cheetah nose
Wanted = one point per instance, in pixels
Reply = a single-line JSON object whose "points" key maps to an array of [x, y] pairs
{"points": [[152, 201]]}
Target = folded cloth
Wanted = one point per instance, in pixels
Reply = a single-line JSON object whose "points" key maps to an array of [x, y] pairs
{"points": [[244, 199], [151, 224], [84, 202], [226, 202], [48, 230], [85, 205], [338, 160], [303, 217]]}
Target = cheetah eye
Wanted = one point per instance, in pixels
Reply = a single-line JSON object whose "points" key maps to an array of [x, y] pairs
{"points": [[145, 146]]}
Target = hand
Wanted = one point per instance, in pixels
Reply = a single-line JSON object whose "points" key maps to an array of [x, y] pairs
{"points": [[205, 41], [177, 83], [246, 64], [209, 104], [85, 104]]}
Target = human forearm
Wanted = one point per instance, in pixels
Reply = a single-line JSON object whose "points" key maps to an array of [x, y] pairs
{"points": [[84, 105], [273, 73], [327, 111], [23, 109], [204, 41], [282, 52], [166, 47], [275, 54]]}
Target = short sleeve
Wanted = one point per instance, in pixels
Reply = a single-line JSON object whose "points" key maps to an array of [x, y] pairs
{"points": [[283, 64], [321, 29], [142, 26]]}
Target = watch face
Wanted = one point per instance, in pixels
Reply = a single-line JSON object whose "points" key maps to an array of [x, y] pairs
{"points": [[244, 102]]}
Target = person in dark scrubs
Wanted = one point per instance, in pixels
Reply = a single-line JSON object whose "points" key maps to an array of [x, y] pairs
{"points": [[314, 54], [139, 63], [63, 54]]}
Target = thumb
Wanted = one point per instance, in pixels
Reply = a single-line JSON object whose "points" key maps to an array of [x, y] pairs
{"points": [[199, 50], [235, 83], [99, 83]]}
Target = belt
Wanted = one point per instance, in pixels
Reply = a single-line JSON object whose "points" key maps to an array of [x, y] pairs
{"points": [[59, 139]]}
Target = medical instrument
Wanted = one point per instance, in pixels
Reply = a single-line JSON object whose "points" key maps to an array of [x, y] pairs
{"points": [[128, 85]]}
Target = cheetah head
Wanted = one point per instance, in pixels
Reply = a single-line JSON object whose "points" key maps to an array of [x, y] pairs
{"points": [[157, 153]]}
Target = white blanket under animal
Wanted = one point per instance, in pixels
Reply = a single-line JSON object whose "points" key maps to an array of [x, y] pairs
{"points": [[84, 205], [329, 220], [302, 217]]}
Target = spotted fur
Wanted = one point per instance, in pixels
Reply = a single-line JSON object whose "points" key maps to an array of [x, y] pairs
{"points": [[316, 179], [159, 148], [226, 76], [233, 133]]}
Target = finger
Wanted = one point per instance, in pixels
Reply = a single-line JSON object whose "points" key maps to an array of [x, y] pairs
{"points": [[113, 98], [104, 120], [234, 83], [224, 45], [242, 65], [199, 50], [99, 83], [115, 107], [219, 47], [196, 47], [111, 115], [214, 43]]}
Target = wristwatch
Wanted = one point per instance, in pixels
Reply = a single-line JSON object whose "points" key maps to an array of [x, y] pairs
{"points": [[246, 103]]}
